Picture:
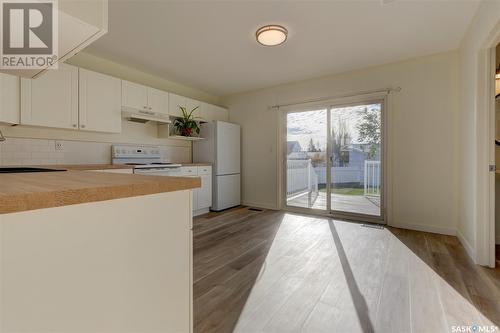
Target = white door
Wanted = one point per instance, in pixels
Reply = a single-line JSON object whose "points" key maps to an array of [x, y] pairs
{"points": [[9, 99], [100, 102], [227, 192], [52, 99], [134, 96], [157, 101], [174, 102], [227, 148]]}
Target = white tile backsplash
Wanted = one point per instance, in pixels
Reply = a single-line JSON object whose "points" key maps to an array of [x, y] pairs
{"points": [[18, 151]]}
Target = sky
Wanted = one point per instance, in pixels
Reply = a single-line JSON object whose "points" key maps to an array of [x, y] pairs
{"points": [[302, 126]]}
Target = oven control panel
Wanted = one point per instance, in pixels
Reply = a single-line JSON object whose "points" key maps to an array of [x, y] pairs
{"points": [[124, 151]]}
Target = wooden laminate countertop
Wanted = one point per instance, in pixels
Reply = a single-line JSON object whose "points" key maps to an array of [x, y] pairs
{"points": [[29, 191], [87, 167]]}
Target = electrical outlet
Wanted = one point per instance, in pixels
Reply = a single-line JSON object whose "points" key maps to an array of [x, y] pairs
{"points": [[59, 145]]}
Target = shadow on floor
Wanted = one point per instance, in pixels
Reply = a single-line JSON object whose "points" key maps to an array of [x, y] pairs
{"points": [[480, 286], [356, 296]]}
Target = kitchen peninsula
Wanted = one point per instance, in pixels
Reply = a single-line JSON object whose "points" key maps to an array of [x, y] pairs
{"points": [[84, 251]]}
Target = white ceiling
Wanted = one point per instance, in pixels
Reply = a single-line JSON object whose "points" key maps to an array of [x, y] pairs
{"points": [[211, 45]]}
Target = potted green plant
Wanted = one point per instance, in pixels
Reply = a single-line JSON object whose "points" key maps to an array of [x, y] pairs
{"points": [[187, 124]]}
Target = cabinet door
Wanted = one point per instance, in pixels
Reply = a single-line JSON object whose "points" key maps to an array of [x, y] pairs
{"points": [[9, 99], [134, 96], [174, 102], [205, 192], [157, 101], [192, 103], [52, 99], [196, 203], [192, 172], [100, 102]]}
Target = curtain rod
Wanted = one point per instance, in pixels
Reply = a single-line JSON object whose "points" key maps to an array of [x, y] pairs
{"points": [[367, 92]]}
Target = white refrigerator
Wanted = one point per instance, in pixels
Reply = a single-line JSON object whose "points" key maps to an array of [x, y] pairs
{"points": [[221, 148]]}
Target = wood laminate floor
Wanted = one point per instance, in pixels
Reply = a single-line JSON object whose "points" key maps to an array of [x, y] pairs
{"points": [[273, 271]]}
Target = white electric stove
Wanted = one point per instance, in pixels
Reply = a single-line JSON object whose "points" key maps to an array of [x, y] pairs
{"points": [[145, 160]]}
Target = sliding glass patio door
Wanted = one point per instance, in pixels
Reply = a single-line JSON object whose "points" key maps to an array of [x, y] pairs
{"points": [[306, 159], [356, 160], [333, 161]]}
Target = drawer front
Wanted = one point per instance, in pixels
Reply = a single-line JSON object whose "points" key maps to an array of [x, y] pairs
{"points": [[189, 171], [204, 170]]}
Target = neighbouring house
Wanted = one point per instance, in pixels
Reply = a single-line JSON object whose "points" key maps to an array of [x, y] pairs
{"points": [[295, 152]]}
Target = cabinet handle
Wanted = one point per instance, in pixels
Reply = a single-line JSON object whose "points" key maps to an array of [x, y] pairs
{"points": [[145, 107], [150, 108], [74, 125], [82, 126]]}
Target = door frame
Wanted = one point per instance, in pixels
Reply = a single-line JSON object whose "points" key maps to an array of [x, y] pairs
{"points": [[382, 97], [485, 232]]}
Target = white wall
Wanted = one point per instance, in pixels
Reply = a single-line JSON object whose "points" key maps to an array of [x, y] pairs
{"points": [[21, 151], [472, 122], [422, 119]]}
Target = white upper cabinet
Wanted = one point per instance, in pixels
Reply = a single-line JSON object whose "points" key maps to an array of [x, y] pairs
{"points": [[138, 97], [205, 111], [80, 23], [52, 99], [213, 112], [192, 103], [157, 101], [9, 99], [174, 102], [99, 102], [134, 96]]}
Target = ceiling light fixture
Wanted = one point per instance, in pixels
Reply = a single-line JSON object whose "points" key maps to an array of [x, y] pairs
{"points": [[271, 35]]}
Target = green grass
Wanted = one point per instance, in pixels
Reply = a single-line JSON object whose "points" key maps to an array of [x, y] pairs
{"points": [[345, 191]]}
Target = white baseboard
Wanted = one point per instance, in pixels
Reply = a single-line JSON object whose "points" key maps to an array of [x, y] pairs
{"points": [[201, 211], [468, 248], [426, 228], [260, 205]]}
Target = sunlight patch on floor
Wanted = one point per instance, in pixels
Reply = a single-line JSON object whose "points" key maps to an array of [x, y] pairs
{"points": [[322, 276]]}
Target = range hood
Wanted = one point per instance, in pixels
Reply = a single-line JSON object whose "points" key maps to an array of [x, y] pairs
{"points": [[143, 116]]}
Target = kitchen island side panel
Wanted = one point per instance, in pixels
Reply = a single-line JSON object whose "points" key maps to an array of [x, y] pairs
{"points": [[113, 266]]}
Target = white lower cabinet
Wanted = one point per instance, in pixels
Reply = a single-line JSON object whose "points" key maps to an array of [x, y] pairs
{"points": [[205, 192], [202, 197]]}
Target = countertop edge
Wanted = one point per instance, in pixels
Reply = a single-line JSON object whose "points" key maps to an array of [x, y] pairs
{"points": [[40, 199]]}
